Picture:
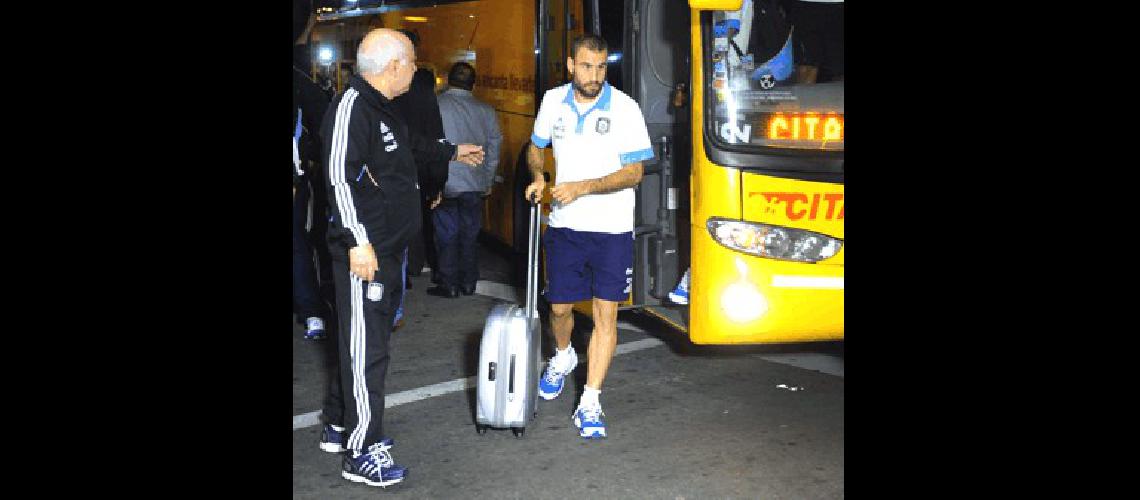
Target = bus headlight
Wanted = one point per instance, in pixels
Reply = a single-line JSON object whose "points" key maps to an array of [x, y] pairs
{"points": [[742, 302], [774, 242]]}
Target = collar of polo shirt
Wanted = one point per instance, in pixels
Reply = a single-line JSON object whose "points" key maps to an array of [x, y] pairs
{"points": [[602, 103]]}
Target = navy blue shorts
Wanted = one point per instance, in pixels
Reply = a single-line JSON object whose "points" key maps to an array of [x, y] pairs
{"points": [[581, 265]]}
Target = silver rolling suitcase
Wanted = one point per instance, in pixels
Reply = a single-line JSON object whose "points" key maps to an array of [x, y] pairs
{"points": [[507, 384]]}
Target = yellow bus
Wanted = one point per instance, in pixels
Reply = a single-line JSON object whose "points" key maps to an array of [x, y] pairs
{"points": [[767, 186], [746, 187]]}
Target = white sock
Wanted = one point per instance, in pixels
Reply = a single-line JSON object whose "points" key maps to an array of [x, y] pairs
{"points": [[561, 359], [563, 355], [590, 397]]}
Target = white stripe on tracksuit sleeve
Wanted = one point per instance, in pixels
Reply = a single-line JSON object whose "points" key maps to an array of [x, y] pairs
{"points": [[339, 150]]}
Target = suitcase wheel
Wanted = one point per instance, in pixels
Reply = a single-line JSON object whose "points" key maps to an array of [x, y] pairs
{"points": [[480, 429], [518, 431]]}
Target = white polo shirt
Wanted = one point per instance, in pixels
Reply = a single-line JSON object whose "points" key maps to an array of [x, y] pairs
{"points": [[592, 141]]}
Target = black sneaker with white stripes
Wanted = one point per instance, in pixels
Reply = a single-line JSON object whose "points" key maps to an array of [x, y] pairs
{"points": [[332, 439]]}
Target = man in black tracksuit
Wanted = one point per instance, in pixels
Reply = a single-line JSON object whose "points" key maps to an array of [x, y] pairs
{"points": [[374, 202]]}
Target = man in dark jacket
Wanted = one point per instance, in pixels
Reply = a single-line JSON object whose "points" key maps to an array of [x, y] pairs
{"points": [[420, 110], [309, 105], [370, 162]]}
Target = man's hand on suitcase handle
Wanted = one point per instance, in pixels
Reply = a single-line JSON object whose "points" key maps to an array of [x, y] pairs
{"points": [[534, 190]]}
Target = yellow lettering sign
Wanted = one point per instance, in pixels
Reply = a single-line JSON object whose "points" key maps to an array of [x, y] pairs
{"points": [[811, 122], [775, 125], [832, 129], [805, 127]]}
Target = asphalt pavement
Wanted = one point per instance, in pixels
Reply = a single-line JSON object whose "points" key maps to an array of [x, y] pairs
{"points": [[684, 421]]}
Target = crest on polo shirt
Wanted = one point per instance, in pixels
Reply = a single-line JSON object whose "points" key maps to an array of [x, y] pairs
{"points": [[603, 125]]}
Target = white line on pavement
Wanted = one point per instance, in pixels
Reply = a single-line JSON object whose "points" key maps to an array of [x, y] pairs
{"points": [[637, 345], [497, 290], [410, 396], [306, 420]]}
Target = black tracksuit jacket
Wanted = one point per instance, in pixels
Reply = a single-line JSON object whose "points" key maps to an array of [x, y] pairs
{"points": [[369, 161], [420, 110]]}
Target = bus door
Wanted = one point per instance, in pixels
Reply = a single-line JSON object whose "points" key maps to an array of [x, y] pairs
{"points": [[656, 64]]}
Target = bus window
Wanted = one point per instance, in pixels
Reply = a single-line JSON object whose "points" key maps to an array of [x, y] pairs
{"points": [[760, 95]]}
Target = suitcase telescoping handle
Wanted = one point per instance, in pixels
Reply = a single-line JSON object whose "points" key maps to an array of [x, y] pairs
{"points": [[530, 307]]}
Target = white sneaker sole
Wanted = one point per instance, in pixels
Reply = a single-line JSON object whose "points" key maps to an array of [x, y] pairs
{"points": [[361, 479], [677, 299], [332, 447]]}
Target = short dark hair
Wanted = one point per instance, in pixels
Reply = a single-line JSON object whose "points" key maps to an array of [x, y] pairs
{"points": [[462, 75], [593, 42], [412, 36]]}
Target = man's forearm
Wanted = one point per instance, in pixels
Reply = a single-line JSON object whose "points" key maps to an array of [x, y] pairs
{"points": [[627, 177], [427, 150], [534, 162]]}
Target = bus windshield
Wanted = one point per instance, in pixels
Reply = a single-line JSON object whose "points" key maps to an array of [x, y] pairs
{"points": [[774, 76]]}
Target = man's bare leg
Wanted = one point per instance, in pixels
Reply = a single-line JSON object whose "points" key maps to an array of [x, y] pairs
{"points": [[603, 342], [564, 359], [562, 324]]}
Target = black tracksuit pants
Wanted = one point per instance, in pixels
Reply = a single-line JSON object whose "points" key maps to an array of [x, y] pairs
{"points": [[364, 327]]}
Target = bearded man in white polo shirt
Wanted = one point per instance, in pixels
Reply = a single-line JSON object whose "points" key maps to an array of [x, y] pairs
{"points": [[599, 140]]}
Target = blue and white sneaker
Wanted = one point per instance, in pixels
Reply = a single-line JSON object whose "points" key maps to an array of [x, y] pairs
{"points": [[589, 422], [680, 294], [554, 379], [374, 468], [314, 328], [332, 439]]}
